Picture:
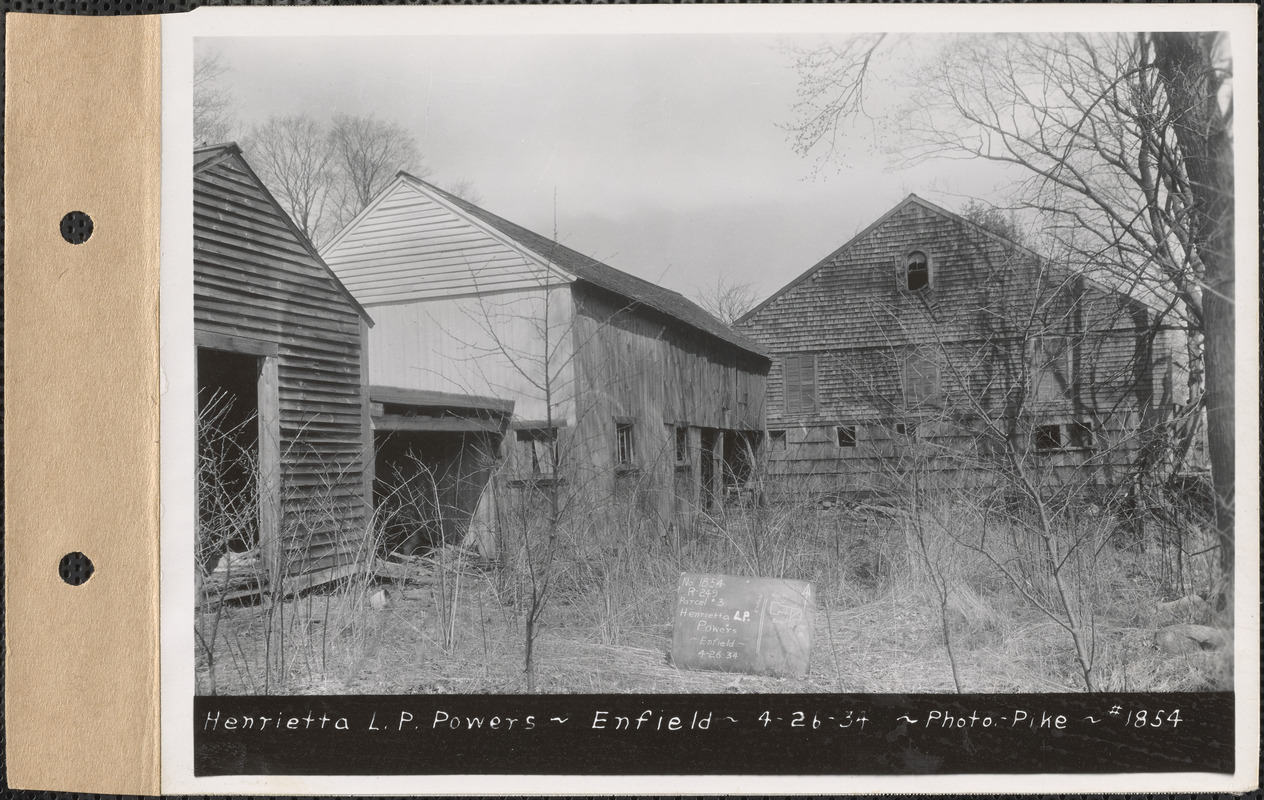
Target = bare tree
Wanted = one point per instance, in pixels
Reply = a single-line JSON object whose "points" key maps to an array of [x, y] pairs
{"points": [[213, 117], [324, 173], [369, 151], [463, 188], [1125, 143], [294, 157], [727, 300]]}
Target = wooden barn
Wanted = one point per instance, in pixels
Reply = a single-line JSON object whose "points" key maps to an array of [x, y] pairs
{"points": [[625, 392], [918, 342], [282, 389]]}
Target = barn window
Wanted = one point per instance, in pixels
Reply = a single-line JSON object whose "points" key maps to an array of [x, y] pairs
{"points": [[799, 377], [777, 440], [846, 435], [1068, 436], [916, 271], [540, 451], [682, 444], [921, 381], [1051, 368], [1080, 436], [1047, 438], [624, 444]]}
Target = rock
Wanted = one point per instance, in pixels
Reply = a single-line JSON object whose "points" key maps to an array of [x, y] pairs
{"points": [[379, 599], [1190, 638], [1184, 607]]}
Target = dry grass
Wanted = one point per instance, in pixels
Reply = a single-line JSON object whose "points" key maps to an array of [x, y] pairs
{"points": [[877, 627]]}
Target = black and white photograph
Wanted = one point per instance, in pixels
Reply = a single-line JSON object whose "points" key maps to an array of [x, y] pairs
{"points": [[699, 364]]}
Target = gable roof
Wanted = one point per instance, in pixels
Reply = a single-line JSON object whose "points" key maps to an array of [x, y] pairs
{"points": [[596, 273], [912, 199], [208, 156]]}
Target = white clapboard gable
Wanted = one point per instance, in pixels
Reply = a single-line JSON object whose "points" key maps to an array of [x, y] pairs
{"points": [[411, 244]]}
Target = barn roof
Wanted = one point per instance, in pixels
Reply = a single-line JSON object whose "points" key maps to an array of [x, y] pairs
{"points": [[912, 199], [598, 274], [208, 156]]}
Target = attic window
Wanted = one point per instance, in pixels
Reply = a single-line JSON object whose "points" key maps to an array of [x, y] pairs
{"points": [[917, 271]]}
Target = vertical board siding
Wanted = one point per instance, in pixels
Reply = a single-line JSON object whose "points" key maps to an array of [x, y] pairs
{"points": [[640, 366], [410, 247], [491, 346], [855, 315], [255, 278]]}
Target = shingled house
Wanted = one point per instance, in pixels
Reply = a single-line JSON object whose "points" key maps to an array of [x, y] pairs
{"points": [[283, 413], [924, 338], [627, 392]]}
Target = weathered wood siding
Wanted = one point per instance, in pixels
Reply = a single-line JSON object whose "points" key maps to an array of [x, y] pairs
{"points": [[255, 278], [641, 367], [491, 345], [854, 317], [409, 246]]}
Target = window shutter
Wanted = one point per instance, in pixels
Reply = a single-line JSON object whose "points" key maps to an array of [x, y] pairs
{"points": [[807, 384], [799, 377], [790, 379]]}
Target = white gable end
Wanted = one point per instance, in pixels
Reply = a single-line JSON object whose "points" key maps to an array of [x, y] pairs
{"points": [[408, 246]]}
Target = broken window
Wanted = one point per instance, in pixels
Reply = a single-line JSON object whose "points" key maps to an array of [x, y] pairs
{"points": [[1080, 435], [1048, 437], [777, 440], [846, 435], [682, 444], [1068, 436], [541, 456], [917, 271]]}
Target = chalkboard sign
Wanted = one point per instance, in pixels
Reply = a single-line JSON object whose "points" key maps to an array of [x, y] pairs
{"points": [[762, 626]]}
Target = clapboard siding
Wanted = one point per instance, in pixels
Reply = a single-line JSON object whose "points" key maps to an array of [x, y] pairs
{"points": [[491, 345], [460, 298], [853, 317], [408, 246], [255, 277]]}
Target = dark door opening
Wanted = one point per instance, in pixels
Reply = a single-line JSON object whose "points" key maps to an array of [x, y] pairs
{"points": [[227, 454], [427, 486], [739, 457]]}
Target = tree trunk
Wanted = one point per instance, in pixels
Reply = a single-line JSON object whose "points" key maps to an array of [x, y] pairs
{"points": [[1192, 83]]}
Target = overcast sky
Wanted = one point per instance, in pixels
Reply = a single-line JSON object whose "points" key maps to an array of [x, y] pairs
{"points": [[661, 155]]}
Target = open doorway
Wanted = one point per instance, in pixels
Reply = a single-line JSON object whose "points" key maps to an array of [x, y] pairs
{"points": [[228, 463], [428, 485], [739, 457]]}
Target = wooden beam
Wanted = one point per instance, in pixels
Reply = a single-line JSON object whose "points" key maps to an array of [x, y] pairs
{"points": [[236, 344], [426, 397], [397, 423]]}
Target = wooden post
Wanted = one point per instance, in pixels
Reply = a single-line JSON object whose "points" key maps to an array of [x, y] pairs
{"points": [[369, 443], [270, 470]]}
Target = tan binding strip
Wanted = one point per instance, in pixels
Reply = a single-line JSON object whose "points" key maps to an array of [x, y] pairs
{"points": [[81, 402]]}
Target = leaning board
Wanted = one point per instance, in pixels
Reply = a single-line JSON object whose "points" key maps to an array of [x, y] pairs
{"points": [[761, 626]]}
